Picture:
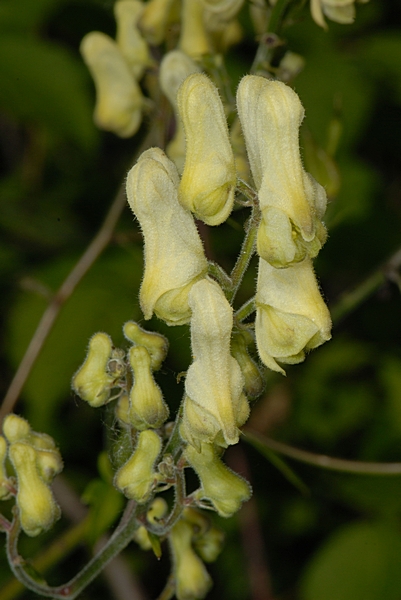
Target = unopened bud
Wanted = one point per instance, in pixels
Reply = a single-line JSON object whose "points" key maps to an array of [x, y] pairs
{"points": [[194, 40], [253, 381], [147, 407], [221, 487], [209, 178], [155, 343], [154, 19], [119, 98], [4, 489], [209, 544], [175, 67], [136, 478], [192, 581], [37, 507], [93, 382], [129, 39], [15, 428]]}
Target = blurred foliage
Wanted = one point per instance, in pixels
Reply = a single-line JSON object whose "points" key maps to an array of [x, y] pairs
{"points": [[58, 177]]}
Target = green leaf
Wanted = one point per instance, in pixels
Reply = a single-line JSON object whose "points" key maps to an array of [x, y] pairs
{"points": [[45, 84], [361, 561]]}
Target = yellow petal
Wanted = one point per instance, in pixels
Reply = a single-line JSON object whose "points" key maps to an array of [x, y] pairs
{"points": [[208, 181], [174, 257]]}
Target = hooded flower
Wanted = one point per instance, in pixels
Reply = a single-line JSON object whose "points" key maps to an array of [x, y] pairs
{"points": [[214, 405], [221, 487], [129, 39], [208, 181], [340, 11], [119, 99], [291, 316], [175, 67], [174, 257], [291, 201]]}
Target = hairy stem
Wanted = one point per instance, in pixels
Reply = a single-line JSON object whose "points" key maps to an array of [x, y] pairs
{"points": [[70, 590]]}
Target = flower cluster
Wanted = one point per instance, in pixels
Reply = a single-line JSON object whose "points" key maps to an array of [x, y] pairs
{"points": [[36, 461], [178, 287], [116, 67]]}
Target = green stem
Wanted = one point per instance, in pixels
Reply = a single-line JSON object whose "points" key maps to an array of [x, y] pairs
{"points": [[56, 552], [246, 253], [216, 271], [322, 461], [246, 309], [351, 300], [276, 16], [70, 590]]}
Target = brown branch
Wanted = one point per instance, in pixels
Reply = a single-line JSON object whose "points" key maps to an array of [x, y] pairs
{"points": [[321, 460], [91, 254]]}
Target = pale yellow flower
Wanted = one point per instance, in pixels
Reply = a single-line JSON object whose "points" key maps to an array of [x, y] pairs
{"points": [[192, 581], [214, 406], [37, 507], [208, 181], [129, 39], [175, 67], [137, 477], [119, 99], [147, 406], [93, 382], [291, 201], [291, 316], [340, 11], [174, 257], [221, 487], [194, 40]]}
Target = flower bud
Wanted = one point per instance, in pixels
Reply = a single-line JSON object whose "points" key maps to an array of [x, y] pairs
{"points": [[37, 507], [253, 382], [192, 581], [193, 39], [175, 67], [291, 201], [226, 8], [122, 410], [174, 257], [154, 19], [291, 316], [214, 400], [49, 464], [147, 407], [340, 11], [155, 343], [209, 178], [209, 544], [157, 510], [129, 39], [221, 487], [15, 428], [4, 490], [118, 96], [93, 382], [137, 477]]}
